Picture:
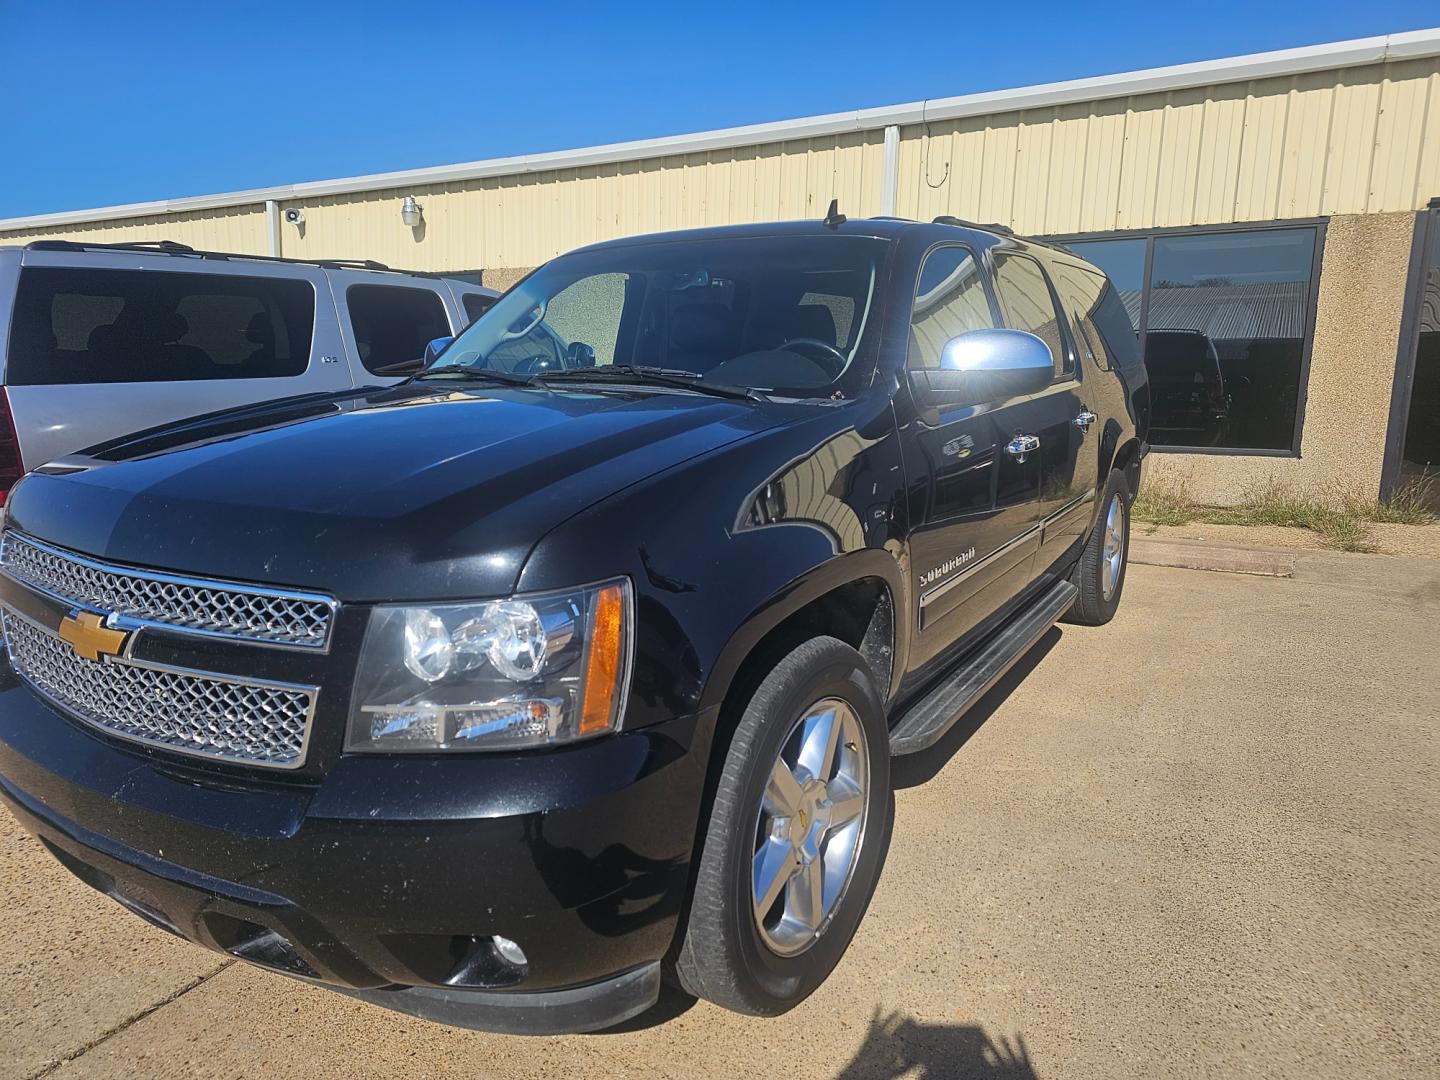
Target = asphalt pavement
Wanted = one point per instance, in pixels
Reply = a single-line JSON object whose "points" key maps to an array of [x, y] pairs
{"points": [[1202, 841]]}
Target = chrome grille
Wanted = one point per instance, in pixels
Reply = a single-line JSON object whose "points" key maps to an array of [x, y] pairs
{"points": [[212, 717], [208, 607]]}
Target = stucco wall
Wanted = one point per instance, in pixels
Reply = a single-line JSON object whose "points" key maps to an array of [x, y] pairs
{"points": [[1352, 372]]}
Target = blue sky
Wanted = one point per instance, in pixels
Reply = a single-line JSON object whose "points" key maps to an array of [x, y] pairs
{"points": [[115, 102]]}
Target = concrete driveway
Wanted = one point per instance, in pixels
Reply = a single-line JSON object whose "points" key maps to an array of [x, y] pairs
{"points": [[1199, 842]]}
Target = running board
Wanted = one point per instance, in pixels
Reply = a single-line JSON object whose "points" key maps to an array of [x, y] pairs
{"points": [[923, 724]]}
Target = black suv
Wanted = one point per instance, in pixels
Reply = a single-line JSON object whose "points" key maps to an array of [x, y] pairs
{"points": [[578, 661]]}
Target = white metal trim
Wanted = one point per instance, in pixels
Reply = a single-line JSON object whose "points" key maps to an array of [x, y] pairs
{"points": [[890, 172], [1332, 56]]}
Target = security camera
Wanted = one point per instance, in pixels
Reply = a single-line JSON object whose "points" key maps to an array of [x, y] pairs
{"points": [[294, 216]]}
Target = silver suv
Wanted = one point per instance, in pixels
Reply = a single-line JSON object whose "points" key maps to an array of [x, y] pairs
{"points": [[106, 339]]}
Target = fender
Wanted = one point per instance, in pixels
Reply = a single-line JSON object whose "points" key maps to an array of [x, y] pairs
{"points": [[843, 570]]}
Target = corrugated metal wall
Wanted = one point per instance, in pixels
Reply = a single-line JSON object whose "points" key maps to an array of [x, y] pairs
{"points": [[231, 228], [1363, 140], [1358, 140]]}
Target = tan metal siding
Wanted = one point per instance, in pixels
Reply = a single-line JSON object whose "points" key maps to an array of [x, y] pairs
{"points": [[235, 228], [1363, 140], [524, 220]]}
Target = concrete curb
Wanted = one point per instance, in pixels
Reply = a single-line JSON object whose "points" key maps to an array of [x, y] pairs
{"points": [[1205, 555]]}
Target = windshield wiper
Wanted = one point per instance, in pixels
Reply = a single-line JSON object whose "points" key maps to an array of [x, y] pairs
{"points": [[655, 376], [509, 378]]}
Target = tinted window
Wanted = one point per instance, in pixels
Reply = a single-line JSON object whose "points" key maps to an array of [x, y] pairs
{"points": [[1025, 296], [106, 326], [393, 324], [1123, 261], [950, 299], [476, 304], [1079, 291], [1225, 337], [1115, 331], [1226, 318]]}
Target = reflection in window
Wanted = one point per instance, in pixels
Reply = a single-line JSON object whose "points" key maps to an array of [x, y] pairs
{"points": [[949, 301], [1226, 320], [1025, 296]]}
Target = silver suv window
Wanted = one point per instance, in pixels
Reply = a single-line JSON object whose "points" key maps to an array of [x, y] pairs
{"points": [[87, 325]]}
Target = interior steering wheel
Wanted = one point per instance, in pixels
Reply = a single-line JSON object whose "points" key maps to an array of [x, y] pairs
{"points": [[833, 356]]}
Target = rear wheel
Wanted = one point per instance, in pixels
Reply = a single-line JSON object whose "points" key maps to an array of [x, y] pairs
{"points": [[796, 838], [1100, 574]]}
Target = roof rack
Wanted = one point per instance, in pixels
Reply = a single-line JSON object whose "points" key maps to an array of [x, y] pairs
{"points": [[987, 226], [171, 247]]}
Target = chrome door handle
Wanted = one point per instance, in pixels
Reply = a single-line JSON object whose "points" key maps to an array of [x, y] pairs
{"points": [[1022, 445], [1084, 420]]}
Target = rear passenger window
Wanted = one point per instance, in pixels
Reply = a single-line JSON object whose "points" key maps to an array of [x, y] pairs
{"points": [[393, 324], [476, 304], [1029, 306], [1079, 291], [74, 325], [950, 299]]}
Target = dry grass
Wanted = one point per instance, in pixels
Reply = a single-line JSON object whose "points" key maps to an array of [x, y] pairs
{"points": [[1341, 521]]}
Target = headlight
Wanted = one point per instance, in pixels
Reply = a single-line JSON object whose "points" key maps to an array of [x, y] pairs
{"points": [[500, 675]]}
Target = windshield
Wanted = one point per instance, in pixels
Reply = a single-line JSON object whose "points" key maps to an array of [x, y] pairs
{"points": [[778, 314]]}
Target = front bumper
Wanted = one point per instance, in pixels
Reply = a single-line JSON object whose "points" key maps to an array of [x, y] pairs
{"points": [[389, 878]]}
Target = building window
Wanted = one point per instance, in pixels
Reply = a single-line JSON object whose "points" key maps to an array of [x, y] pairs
{"points": [[1225, 319]]}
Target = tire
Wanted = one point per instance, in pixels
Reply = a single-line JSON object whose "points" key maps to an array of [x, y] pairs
{"points": [[1100, 591], [728, 954]]}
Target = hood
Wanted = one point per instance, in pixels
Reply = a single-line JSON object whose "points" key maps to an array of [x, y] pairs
{"points": [[423, 491]]}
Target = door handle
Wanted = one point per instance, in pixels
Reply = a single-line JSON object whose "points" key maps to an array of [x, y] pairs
{"points": [[1021, 446], [1084, 420]]}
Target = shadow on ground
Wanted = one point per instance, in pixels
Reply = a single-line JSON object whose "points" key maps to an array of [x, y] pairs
{"points": [[912, 770], [899, 1046]]}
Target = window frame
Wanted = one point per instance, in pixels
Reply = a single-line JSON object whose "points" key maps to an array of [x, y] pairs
{"points": [[987, 284], [1312, 301]]}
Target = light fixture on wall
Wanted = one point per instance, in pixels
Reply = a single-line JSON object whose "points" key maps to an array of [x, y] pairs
{"points": [[411, 213]]}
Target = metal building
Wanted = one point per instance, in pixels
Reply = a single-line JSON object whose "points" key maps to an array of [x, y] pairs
{"points": [[1270, 221]]}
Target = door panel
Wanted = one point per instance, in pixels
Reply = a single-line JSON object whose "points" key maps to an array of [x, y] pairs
{"points": [[974, 505], [120, 343]]}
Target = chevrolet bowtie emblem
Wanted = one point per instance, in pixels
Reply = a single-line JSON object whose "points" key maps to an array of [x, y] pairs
{"points": [[90, 637]]}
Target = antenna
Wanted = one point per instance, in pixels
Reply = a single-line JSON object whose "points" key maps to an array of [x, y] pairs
{"points": [[833, 218]]}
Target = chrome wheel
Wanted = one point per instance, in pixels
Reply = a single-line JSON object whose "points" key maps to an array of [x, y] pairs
{"points": [[811, 822], [1112, 558]]}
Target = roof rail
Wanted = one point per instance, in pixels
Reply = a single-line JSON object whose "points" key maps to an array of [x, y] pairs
{"points": [[988, 226], [170, 247]]}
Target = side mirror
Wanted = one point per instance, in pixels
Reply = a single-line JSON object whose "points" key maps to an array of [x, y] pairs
{"points": [[579, 355], [435, 347], [986, 365]]}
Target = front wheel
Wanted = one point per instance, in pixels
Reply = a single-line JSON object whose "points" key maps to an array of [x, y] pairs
{"points": [[1100, 573], [796, 838]]}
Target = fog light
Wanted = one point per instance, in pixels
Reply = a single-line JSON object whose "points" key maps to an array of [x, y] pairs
{"points": [[509, 950]]}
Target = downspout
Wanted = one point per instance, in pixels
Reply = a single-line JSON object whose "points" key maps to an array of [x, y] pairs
{"points": [[890, 172], [272, 227]]}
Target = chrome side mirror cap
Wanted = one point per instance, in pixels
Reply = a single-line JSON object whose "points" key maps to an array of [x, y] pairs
{"points": [[983, 366]]}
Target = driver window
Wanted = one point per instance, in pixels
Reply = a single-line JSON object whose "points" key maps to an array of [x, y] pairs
{"points": [[950, 299]]}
